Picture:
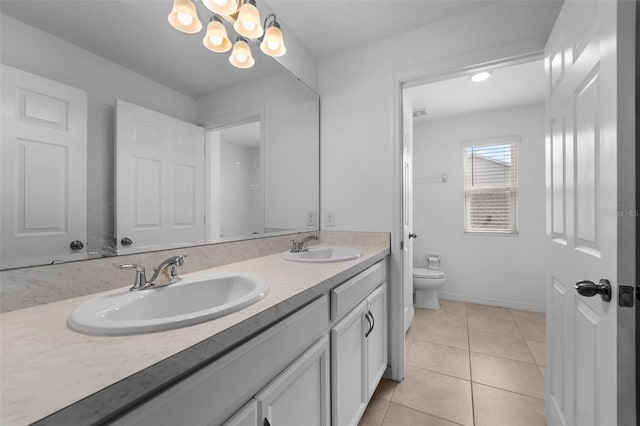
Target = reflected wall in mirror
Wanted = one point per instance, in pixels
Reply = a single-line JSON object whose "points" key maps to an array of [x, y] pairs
{"points": [[236, 190], [126, 50]]}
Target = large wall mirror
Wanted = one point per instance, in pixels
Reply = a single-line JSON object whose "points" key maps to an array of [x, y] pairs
{"points": [[121, 135]]}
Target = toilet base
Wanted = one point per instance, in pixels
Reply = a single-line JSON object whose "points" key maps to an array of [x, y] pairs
{"points": [[427, 299]]}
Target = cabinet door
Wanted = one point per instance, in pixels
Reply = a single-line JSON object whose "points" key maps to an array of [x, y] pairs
{"points": [[377, 339], [348, 360], [300, 395], [247, 416]]}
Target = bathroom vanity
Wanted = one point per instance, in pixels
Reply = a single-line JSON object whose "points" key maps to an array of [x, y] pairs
{"points": [[314, 348]]}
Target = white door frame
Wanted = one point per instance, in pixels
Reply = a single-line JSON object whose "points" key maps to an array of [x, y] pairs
{"points": [[510, 54], [215, 125]]}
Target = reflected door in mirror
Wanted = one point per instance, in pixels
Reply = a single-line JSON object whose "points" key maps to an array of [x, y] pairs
{"points": [[44, 170], [159, 180]]}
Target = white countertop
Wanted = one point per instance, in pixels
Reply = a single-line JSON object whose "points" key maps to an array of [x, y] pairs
{"points": [[45, 367]]}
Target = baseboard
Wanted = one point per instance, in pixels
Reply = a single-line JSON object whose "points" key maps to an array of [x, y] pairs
{"points": [[505, 303]]}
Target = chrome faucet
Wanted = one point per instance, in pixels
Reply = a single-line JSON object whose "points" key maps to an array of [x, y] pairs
{"points": [[300, 246], [166, 273]]}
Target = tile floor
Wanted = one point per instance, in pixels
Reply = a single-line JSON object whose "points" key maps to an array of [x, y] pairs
{"points": [[467, 364]]}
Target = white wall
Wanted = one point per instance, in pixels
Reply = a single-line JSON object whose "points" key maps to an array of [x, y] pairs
{"points": [[34, 51], [237, 212], [356, 91], [496, 269]]}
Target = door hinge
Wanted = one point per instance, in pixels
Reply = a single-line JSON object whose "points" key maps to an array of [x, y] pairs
{"points": [[401, 245], [625, 296]]}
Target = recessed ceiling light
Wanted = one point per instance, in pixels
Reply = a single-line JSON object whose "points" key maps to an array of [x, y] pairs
{"points": [[481, 76]]}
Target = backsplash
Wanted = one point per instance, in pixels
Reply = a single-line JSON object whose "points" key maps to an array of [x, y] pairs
{"points": [[25, 287]]}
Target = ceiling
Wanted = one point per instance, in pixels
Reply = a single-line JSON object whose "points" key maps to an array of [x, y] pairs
{"points": [[136, 35], [329, 27], [508, 86]]}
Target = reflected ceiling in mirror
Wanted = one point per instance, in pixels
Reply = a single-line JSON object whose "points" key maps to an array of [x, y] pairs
{"points": [[127, 50], [137, 35]]}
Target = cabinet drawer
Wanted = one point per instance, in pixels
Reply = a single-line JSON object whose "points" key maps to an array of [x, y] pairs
{"points": [[349, 294], [212, 394]]}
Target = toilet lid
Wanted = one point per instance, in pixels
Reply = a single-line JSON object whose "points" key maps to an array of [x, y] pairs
{"points": [[427, 273]]}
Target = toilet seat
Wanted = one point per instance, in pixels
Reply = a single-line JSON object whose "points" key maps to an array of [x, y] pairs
{"points": [[427, 273]]}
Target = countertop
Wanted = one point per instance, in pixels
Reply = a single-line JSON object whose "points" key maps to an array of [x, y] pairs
{"points": [[52, 375]]}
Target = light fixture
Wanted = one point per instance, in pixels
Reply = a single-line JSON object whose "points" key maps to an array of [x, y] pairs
{"points": [[184, 17], [216, 38], [241, 54], [222, 7], [272, 42], [245, 20], [248, 22], [481, 76]]}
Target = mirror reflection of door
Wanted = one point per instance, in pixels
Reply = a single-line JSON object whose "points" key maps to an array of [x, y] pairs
{"points": [[159, 180], [236, 189], [44, 171]]}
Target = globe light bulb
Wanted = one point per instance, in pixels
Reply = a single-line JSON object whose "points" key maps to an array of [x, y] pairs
{"points": [[185, 19]]}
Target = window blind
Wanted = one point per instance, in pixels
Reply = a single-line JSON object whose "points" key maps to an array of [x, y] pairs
{"points": [[491, 188]]}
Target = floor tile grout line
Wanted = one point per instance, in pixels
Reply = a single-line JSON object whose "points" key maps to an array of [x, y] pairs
{"points": [[441, 344], [506, 390], [500, 334], [424, 412], [441, 373], [529, 349], [505, 358], [384, 416]]}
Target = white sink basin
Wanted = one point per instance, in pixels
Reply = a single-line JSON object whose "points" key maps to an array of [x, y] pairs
{"points": [[323, 255], [187, 302]]}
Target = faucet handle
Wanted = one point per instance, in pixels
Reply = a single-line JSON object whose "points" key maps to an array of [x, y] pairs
{"points": [[295, 246], [141, 277], [172, 270]]}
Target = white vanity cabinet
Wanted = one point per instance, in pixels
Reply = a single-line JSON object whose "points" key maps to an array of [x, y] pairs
{"points": [[358, 344], [377, 339], [216, 392], [300, 395], [317, 367], [247, 416]]}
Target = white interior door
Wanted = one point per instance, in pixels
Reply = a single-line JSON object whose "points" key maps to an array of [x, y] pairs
{"points": [[581, 171], [159, 180], [407, 209], [44, 170]]}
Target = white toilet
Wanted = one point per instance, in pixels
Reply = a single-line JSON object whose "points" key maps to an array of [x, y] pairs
{"points": [[426, 282]]}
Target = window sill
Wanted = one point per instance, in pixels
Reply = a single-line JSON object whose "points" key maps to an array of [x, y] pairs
{"points": [[492, 234]]}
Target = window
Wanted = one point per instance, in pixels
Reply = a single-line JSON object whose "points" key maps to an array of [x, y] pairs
{"points": [[491, 186]]}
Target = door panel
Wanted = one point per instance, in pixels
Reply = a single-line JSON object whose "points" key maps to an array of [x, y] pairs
{"points": [[585, 164], [44, 170], [581, 145], [558, 187], [407, 209], [558, 392], [159, 180], [587, 322]]}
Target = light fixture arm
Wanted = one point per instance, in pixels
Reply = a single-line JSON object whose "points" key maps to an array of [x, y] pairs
{"points": [[216, 17], [274, 23]]}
